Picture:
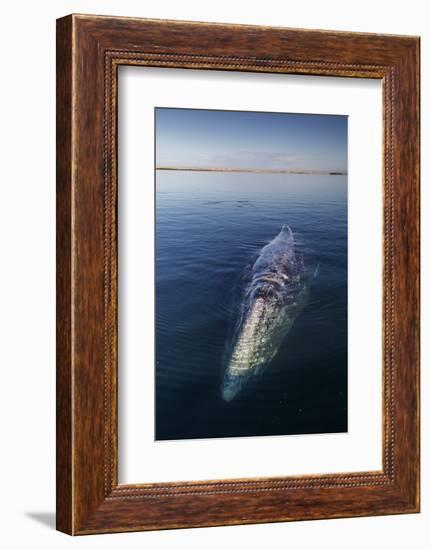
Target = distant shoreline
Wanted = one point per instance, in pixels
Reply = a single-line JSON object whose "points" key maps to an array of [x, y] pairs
{"points": [[252, 170]]}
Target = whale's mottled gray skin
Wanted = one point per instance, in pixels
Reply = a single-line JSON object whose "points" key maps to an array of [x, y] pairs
{"points": [[276, 295]]}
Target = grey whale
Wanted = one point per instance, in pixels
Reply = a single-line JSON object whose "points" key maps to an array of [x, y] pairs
{"points": [[276, 295]]}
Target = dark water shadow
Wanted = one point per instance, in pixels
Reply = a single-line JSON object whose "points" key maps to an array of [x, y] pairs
{"points": [[45, 518]]}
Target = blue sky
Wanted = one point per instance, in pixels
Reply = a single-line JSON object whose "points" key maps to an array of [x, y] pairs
{"points": [[242, 139]]}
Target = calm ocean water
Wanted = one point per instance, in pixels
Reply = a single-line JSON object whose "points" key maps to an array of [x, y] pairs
{"points": [[210, 228]]}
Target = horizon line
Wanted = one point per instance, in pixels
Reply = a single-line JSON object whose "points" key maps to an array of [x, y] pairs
{"points": [[254, 170]]}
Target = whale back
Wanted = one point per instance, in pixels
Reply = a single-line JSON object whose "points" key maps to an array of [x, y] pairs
{"points": [[277, 258]]}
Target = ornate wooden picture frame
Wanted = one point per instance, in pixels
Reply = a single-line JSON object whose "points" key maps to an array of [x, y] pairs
{"points": [[89, 51]]}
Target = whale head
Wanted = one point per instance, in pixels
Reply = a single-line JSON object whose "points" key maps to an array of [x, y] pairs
{"points": [[249, 350], [231, 386]]}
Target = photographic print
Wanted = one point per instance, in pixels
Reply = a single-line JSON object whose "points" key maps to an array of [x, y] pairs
{"points": [[251, 273]]}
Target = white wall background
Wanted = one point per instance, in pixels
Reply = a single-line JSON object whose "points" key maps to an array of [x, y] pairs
{"points": [[27, 280]]}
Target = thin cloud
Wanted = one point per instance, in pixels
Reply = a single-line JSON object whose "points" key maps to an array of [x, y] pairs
{"points": [[257, 159]]}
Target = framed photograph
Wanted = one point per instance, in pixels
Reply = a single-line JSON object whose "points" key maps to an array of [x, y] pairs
{"points": [[237, 274]]}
